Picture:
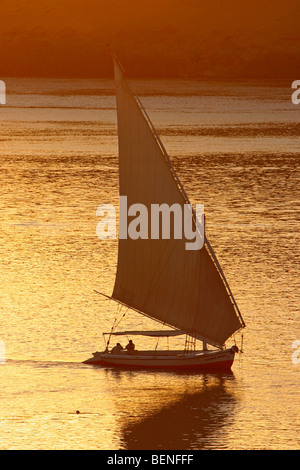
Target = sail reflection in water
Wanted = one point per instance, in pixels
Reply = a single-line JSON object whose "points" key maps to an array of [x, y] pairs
{"points": [[193, 418]]}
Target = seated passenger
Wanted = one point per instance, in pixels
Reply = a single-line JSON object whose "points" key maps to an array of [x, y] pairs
{"points": [[117, 349], [130, 347]]}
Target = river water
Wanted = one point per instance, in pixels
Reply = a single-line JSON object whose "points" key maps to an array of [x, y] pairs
{"points": [[236, 148]]}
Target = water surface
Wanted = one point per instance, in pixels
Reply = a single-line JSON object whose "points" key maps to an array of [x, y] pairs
{"points": [[235, 147]]}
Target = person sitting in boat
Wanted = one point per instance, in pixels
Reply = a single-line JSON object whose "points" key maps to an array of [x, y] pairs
{"points": [[117, 349], [130, 347]]}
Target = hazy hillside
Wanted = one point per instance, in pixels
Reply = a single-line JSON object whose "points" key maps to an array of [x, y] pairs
{"points": [[154, 38]]}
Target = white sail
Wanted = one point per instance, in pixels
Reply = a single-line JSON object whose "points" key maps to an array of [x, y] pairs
{"points": [[158, 277]]}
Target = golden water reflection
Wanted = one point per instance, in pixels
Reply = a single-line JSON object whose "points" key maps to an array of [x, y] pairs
{"points": [[182, 411], [239, 155]]}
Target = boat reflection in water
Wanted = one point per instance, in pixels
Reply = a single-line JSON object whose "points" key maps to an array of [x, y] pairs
{"points": [[175, 411]]}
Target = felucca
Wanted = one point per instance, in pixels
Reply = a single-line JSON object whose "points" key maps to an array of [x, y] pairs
{"points": [[185, 290]]}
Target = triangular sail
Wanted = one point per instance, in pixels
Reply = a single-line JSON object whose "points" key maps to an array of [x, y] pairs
{"points": [[158, 277]]}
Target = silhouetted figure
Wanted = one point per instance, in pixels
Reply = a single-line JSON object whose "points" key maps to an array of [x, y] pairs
{"points": [[117, 349], [130, 347]]}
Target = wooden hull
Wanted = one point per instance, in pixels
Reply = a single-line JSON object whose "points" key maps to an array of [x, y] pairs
{"points": [[199, 360]]}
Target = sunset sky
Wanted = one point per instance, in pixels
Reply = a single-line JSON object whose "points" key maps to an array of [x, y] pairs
{"points": [[157, 38]]}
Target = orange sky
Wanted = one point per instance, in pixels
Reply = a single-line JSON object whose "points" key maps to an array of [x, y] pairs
{"points": [[157, 38]]}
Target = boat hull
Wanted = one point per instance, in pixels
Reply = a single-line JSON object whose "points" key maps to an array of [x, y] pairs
{"points": [[200, 360]]}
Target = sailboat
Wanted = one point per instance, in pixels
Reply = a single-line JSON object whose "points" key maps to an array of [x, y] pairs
{"points": [[184, 290]]}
